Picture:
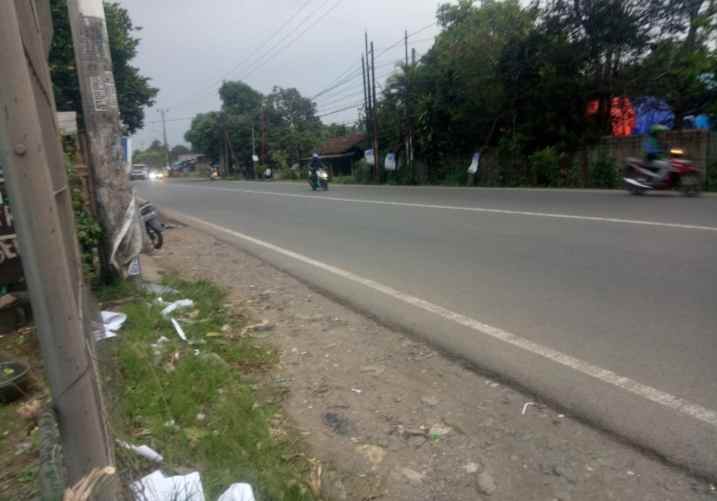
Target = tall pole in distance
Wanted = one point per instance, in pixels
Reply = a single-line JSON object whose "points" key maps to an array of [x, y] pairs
{"points": [[164, 134], [405, 43], [376, 155], [115, 200], [253, 151], [40, 197], [369, 109], [263, 138], [365, 93]]}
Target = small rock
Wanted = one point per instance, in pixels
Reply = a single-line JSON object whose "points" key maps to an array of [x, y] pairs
{"points": [[412, 475], [485, 483], [472, 467], [565, 472], [430, 401], [438, 430], [373, 370], [373, 453], [417, 441], [338, 423]]}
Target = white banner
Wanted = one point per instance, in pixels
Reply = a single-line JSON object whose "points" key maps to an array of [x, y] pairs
{"points": [[475, 163], [390, 163], [368, 155]]}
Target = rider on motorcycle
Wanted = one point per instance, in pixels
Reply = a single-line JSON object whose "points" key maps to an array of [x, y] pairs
{"points": [[654, 153]]}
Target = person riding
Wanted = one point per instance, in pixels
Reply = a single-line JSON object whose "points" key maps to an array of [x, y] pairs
{"points": [[654, 153], [315, 163]]}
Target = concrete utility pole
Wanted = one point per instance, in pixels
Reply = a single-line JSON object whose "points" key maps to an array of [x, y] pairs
{"points": [[163, 112], [116, 205], [41, 203], [376, 155], [365, 94]]}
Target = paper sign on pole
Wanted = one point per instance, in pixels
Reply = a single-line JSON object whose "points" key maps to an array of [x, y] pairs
{"points": [[390, 163], [473, 168], [368, 155]]}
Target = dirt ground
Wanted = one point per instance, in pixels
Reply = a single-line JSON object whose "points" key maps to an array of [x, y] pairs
{"points": [[19, 439], [390, 418]]}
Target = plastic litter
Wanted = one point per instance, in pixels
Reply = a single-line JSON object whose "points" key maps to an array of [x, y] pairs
{"points": [[143, 450], [179, 330], [238, 492], [181, 304], [525, 407], [157, 487], [112, 321], [158, 289]]}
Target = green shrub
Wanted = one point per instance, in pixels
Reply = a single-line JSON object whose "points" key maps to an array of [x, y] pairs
{"points": [[711, 176], [545, 167], [362, 172], [603, 172]]}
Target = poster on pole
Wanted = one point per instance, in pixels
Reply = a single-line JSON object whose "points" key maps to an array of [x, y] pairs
{"points": [[390, 163], [368, 155], [475, 164]]}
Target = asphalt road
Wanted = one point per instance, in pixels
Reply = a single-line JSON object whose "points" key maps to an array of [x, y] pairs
{"points": [[588, 274]]}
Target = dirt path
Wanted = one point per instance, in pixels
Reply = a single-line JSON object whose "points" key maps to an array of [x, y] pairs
{"points": [[390, 418]]}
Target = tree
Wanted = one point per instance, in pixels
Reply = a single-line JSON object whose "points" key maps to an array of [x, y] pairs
{"points": [[154, 156], [178, 150], [134, 91], [205, 134]]}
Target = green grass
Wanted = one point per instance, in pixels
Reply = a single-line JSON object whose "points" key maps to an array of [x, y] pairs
{"points": [[162, 391]]}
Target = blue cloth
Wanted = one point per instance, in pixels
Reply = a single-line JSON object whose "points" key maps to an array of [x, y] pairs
{"points": [[702, 122], [652, 111]]}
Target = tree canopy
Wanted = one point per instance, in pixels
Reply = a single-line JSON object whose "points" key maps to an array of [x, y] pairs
{"points": [[134, 91]]}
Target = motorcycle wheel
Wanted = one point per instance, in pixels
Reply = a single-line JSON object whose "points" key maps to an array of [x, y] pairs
{"points": [[155, 236], [690, 185]]}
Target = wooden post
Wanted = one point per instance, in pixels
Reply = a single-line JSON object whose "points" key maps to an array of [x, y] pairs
{"points": [[40, 199], [115, 199]]}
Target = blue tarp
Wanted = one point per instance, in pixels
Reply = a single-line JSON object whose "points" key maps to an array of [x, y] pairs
{"points": [[651, 111]]}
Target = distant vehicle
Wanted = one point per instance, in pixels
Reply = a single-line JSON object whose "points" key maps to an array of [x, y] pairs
{"points": [[319, 179], [157, 174], [641, 177], [139, 171]]}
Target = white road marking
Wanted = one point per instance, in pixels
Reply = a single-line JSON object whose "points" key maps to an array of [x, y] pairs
{"points": [[472, 209], [606, 376]]}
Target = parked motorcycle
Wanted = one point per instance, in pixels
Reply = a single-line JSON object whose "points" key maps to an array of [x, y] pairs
{"points": [[152, 225], [681, 174], [319, 179]]}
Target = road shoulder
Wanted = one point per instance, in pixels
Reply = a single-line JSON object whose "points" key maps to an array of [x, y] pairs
{"points": [[390, 417]]}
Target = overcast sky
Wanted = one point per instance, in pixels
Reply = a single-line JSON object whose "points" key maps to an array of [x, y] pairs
{"points": [[189, 46]]}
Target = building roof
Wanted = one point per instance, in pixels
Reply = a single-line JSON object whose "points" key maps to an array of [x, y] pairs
{"points": [[338, 145]]}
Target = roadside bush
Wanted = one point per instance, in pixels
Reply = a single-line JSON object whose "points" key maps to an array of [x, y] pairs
{"points": [[361, 173], [711, 176], [603, 172], [290, 174], [545, 167]]}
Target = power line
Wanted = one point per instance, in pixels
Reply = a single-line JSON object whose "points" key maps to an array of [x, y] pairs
{"points": [[292, 41], [254, 51], [333, 112], [348, 75]]}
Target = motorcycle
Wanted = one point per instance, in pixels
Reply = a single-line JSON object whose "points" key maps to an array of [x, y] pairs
{"points": [[214, 175], [681, 174], [319, 179], [152, 224]]}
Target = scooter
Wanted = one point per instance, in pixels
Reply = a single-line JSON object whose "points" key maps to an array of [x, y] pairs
{"points": [[681, 174], [152, 225], [319, 179], [214, 175]]}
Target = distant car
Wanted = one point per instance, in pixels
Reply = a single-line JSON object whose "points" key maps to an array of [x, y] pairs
{"points": [[139, 171]]}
